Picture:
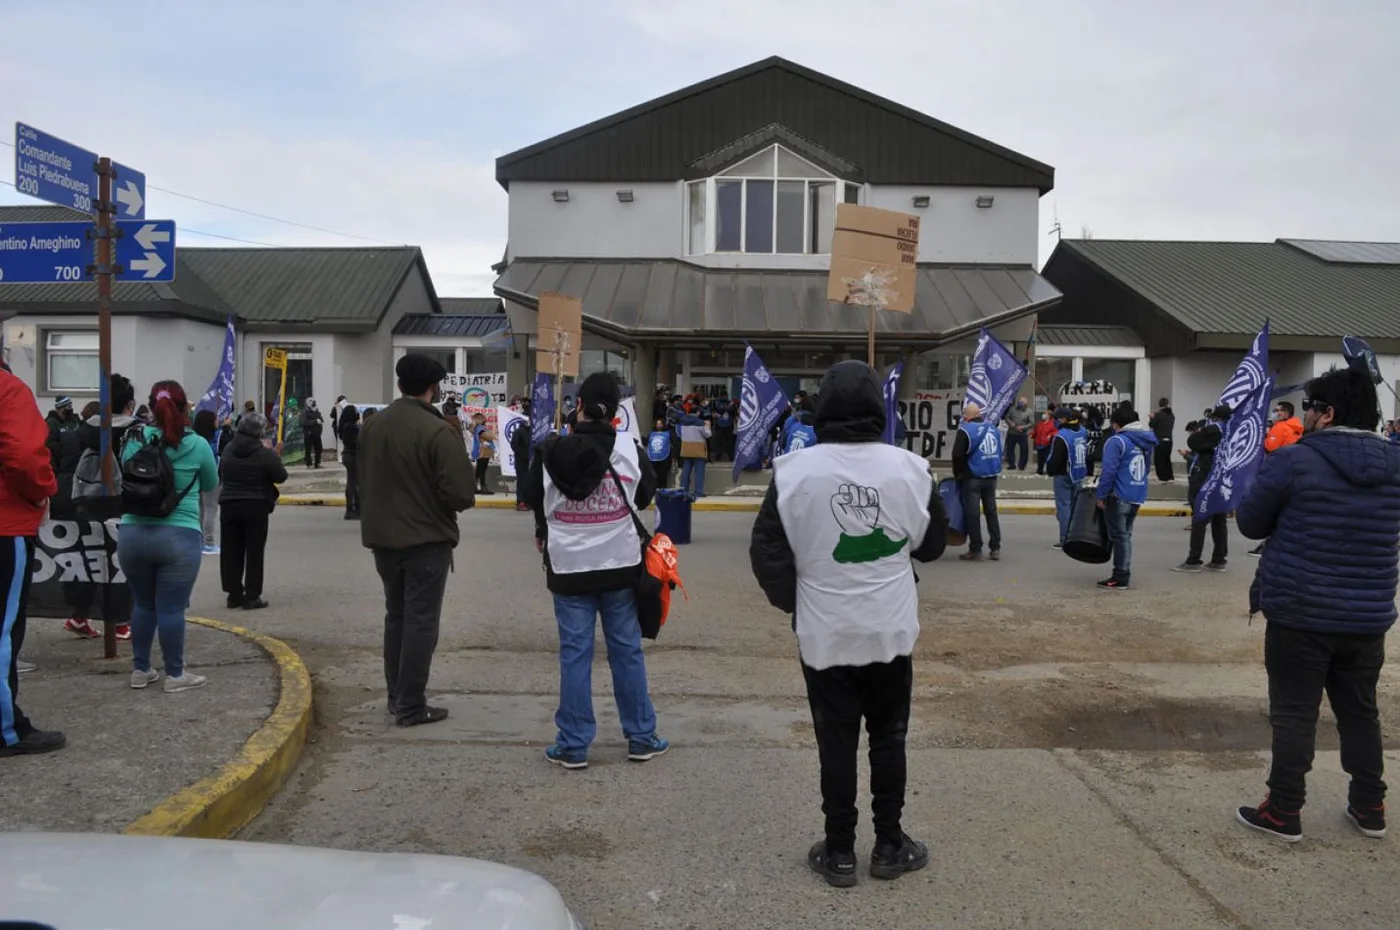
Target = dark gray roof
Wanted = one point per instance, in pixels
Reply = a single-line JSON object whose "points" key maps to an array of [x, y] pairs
{"points": [[674, 299], [1224, 288], [661, 139], [450, 324], [471, 305], [1086, 336], [1349, 253]]}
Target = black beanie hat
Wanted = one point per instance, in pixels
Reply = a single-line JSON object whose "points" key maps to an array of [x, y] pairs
{"points": [[600, 396], [418, 373]]}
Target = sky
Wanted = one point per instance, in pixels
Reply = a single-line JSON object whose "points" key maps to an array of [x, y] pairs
{"points": [[379, 122]]}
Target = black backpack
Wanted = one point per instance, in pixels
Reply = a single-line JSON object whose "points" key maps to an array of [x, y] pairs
{"points": [[148, 482]]}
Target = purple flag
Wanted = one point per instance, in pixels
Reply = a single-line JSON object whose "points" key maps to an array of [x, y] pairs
{"points": [[1252, 371], [219, 397], [892, 401], [994, 379], [1238, 456], [541, 409], [761, 402]]}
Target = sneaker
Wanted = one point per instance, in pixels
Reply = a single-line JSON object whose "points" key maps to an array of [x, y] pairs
{"points": [[1190, 568], [80, 626], [1058, 545], [994, 555], [644, 750], [562, 757], [210, 550], [24, 668], [35, 743], [1216, 566], [426, 715], [1114, 584], [887, 861], [186, 682], [140, 679], [1369, 820], [970, 557], [1257, 551], [1269, 819], [838, 867], [124, 632]]}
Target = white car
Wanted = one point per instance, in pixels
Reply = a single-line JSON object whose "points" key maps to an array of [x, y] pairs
{"points": [[106, 882]]}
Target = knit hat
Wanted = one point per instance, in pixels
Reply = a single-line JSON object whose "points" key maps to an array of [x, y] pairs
{"points": [[63, 403], [417, 373], [600, 396]]}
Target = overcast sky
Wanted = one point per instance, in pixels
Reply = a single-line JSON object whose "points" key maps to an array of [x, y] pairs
{"points": [[1162, 120]]}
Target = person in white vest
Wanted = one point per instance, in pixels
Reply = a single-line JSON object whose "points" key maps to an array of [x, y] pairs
{"points": [[582, 487], [832, 545]]}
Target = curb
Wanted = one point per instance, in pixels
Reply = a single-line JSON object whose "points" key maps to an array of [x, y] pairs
{"points": [[217, 806], [1019, 506]]}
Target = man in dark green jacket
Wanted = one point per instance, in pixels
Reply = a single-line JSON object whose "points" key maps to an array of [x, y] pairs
{"points": [[415, 478]]}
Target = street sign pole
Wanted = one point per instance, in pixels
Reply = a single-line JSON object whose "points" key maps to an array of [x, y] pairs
{"points": [[104, 210]]}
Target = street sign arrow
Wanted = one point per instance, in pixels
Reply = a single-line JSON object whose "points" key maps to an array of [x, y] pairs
{"points": [[129, 196], [150, 265], [59, 253], [149, 234], [129, 191], [60, 172]]}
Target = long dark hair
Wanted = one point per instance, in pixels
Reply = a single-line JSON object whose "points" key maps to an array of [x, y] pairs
{"points": [[206, 424], [170, 411], [348, 415]]}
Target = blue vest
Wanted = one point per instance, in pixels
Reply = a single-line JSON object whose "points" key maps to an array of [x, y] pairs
{"points": [[798, 435], [983, 449], [659, 446], [1077, 442]]}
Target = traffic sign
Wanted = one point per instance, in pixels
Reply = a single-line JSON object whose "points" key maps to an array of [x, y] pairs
{"points": [[59, 253], [275, 358], [60, 172]]}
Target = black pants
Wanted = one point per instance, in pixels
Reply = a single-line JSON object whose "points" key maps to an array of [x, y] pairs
{"points": [[663, 473], [1219, 539], [1301, 665], [313, 450], [481, 466], [1042, 456], [16, 552], [414, 582], [243, 543], [1162, 458], [840, 696], [1018, 446], [351, 459], [980, 494]]}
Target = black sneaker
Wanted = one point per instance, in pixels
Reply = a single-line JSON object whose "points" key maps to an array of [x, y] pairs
{"points": [[1266, 818], [838, 868], [888, 861], [35, 743], [426, 715], [1114, 584], [1217, 566], [1189, 567], [1369, 820]]}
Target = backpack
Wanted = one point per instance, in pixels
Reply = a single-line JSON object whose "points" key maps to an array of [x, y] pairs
{"points": [[87, 477], [148, 482]]}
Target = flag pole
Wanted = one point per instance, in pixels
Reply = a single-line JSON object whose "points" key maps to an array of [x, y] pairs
{"points": [[870, 344]]}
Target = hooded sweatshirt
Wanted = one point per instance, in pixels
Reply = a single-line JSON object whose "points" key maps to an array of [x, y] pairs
{"points": [[1283, 433], [1125, 457], [26, 468], [195, 469], [250, 471], [1329, 505]]}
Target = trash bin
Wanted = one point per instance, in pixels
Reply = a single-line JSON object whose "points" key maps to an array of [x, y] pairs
{"points": [[951, 495], [673, 514], [1087, 539]]}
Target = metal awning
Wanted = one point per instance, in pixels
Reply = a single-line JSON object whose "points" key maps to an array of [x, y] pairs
{"points": [[680, 301]]}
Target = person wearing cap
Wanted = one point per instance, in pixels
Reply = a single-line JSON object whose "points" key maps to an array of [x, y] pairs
{"points": [[414, 478], [582, 488], [976, 465], [1123, 487], [1202, 444], [60, 419], [1067, 466]]}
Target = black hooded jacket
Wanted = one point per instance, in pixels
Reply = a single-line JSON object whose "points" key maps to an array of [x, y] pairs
{"points": [[850, 409], [249, 471], [577, 464]]}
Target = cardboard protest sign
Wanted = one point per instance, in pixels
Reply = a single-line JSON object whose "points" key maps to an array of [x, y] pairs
{"points": [[874, 257], [561, 324]]}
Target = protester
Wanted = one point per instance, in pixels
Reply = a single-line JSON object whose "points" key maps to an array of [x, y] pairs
{"points": [[1067, 466], [160, 554], [1203, 443], [337, 411], [1286, 430], [1018, 422], [1122, 489], [694, 433], [1041, 438], [206, 428], [60, 420], [248, 407], [1330, 508], [976, 465], [659, 453], [26, 484], [724, 418], [520, 449], [843, 571], [312, 423], [350, 455], [798, 432], [415, 478], [582, 488], [250, 473], [1162, 423], [69, 451], [483, 448]]}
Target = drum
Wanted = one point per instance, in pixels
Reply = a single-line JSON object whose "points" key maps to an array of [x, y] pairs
{"points": [[1087, 540]]}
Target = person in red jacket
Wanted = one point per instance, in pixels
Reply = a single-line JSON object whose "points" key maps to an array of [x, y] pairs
{"points": [[1042, 436], [26, 483]]}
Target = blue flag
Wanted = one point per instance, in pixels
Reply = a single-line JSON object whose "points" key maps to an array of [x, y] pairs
{"points": [[1238, 456], [541, 409], [219, 397], [761, 402], [1252, 371], [994, 379], [892, 401]]}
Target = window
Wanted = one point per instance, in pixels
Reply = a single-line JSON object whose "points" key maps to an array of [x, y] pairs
{"points": [[1120, 372], [70, 361], [447, 358], [697, 218]]}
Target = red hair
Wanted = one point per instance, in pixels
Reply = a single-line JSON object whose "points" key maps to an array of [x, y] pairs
{"points": [[170, 410]]}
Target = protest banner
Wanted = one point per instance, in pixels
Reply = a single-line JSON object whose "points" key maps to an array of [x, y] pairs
{"points": [[930, 420], [486, 389], [511, 421], [76, 572]]}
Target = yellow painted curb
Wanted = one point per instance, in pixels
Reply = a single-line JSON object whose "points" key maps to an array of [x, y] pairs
{"points": [[217, 806]]}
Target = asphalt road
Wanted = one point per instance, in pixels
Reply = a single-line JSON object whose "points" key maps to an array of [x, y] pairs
{"points": [[1075, 754]]}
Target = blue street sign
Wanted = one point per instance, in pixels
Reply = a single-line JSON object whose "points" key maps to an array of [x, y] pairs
{"points": [[51, 169], [59, 253]]}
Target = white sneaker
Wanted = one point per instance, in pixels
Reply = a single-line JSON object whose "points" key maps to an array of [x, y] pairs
{"points": [[140, 680], [24, 668], [186, 682]]}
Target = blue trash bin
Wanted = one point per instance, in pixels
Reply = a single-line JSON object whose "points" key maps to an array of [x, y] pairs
{"points": [[673, 514]]}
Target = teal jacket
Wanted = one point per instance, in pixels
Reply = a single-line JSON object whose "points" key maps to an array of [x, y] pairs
{"points": [[191, 458]]}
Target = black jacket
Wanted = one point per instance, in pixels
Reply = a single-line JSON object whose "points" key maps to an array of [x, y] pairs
{"points": [[312, 422], [577, 464], [851, 409], [1162, 423], [249, 471], [350, 437], [1058, 461], [1203, 442]]}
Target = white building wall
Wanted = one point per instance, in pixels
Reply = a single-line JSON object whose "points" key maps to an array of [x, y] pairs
{"points": [[953, 229], [1390, 377], [593, 224], [1195, 380]]}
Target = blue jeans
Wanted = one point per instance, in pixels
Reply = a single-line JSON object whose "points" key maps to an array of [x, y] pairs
{"points": [[694, 467], [161, 564], [576, 614], [1064, 502], [1119, 517]]}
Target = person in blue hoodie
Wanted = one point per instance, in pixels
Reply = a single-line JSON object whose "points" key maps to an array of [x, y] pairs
{"points": [[1329, 505], [798, 431], [659, 452], [1123, 488]]}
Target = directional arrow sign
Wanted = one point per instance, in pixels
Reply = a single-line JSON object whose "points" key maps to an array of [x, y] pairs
{"points": [[59, 253], [57, 171]]}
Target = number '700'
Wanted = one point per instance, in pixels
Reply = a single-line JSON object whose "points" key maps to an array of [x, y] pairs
{"points": [[67, 273]]}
